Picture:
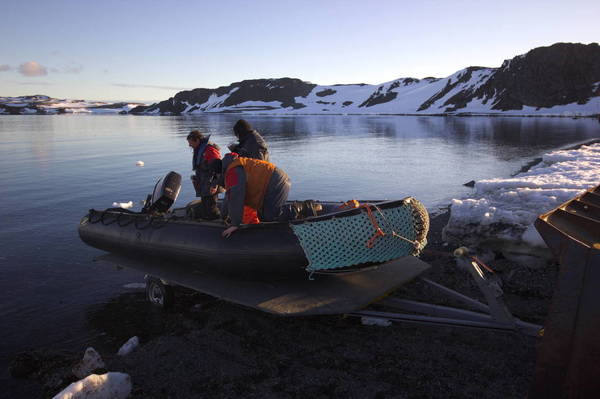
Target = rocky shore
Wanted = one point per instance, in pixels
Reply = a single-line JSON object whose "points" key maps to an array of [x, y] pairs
{"points": [[208, 348]]}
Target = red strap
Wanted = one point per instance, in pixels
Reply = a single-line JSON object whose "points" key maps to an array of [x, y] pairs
{"points": [[480, 263], [378, 232]]}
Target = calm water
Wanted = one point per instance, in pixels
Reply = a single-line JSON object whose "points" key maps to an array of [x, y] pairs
{"points": [[54, 168]]}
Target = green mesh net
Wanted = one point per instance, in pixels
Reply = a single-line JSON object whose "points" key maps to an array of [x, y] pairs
{"points": [[344, 241]]}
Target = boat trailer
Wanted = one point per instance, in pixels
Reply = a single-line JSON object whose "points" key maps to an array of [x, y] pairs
{"points": [[353, 294], [495, 315]]}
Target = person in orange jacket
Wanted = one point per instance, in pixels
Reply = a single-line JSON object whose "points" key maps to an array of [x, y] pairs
{"points": [[252, 183]]}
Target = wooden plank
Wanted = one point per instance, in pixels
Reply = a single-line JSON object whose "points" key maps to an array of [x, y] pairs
{"points": [[326, 294]]}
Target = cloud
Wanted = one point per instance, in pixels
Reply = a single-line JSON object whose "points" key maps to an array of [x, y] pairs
{"points": [[138, 86], [32, 68], [5, 67], [68, 65], [73, 69], [36, 83]]}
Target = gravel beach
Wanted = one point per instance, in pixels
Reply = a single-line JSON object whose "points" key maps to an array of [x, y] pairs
{"points": [[208, 348]]}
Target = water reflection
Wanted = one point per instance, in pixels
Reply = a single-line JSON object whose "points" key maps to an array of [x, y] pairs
{"points": [[497, 131], [340, 156]]}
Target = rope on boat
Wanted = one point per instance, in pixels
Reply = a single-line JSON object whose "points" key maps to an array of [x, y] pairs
{"points": [[106, 223], [156, 222], [129, 220], [378, 231], [145, 226]]}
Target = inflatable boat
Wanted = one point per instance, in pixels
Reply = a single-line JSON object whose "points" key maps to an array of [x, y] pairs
{"points": [[331, 239]]}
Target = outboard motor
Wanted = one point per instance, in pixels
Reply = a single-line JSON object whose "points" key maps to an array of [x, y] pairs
{"points": [[165, 193]]}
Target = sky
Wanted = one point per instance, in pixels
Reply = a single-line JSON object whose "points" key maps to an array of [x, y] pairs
{"points": [[149, 50]]}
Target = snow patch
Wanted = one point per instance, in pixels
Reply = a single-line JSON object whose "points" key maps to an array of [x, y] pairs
{"points": [[124, 205], [48, 105], [105, 386], [375, 321], [129, 346], [135, 286], [505, 208], [90, 362], [532, 237]]}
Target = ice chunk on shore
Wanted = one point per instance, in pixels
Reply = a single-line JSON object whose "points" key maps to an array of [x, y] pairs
{"points": [[90, 362], [532, 237], [124, 205], [129, 346], [135, 286], [105, 386], [375, 321], [506, 208]]}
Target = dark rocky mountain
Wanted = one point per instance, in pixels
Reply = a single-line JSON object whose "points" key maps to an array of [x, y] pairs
{"points": [[257, 90], [560, 79], [563, 73]]}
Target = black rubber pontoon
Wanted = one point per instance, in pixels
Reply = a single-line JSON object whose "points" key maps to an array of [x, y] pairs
{"points": [[260, 249]]}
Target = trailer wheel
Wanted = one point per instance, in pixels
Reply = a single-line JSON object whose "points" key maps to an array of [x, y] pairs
{"points": [[158, 293]]}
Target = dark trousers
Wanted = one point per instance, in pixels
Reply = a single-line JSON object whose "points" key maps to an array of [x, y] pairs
{"points": [[275, 197], [208, 207]]}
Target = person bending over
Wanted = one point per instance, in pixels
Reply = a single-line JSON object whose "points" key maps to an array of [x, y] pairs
{"points": [[206, 153], [253, 183]]}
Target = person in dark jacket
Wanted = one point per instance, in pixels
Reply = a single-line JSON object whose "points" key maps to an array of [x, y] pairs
{"points": [[252, 183], [206, 153], [251, 144]]}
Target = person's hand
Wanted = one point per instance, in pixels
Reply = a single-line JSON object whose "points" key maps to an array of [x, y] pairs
{"points": [[228, 231], [213, 190]]}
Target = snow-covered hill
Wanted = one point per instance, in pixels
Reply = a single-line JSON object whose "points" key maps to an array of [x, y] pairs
{"points": [[562, 79], [39, 104]]}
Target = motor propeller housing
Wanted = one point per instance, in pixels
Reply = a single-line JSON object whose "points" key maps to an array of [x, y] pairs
{"points": [[164, 195]]}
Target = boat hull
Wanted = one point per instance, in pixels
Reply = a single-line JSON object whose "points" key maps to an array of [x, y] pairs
{"points": [[266, 249], [269, 248]]}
